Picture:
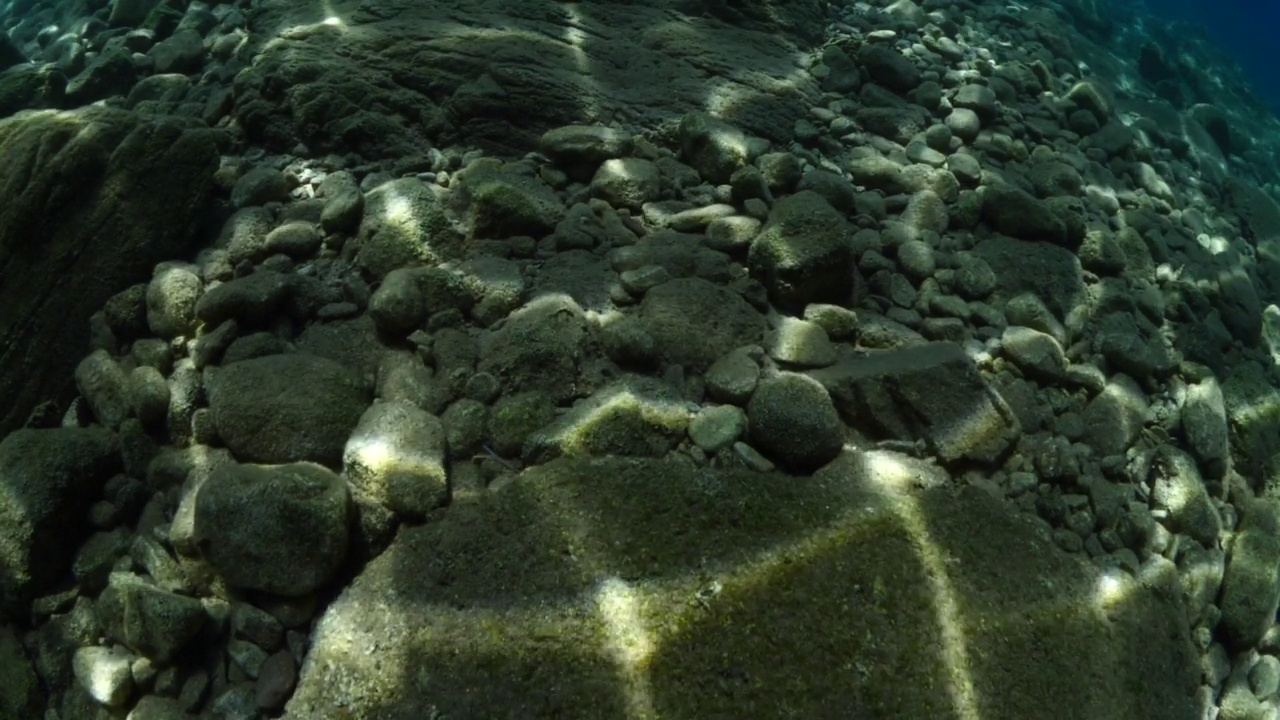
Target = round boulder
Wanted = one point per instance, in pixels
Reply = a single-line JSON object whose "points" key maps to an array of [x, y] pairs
{"points": [[694, 322], [792, 420], [286, 408], [276, 529]]}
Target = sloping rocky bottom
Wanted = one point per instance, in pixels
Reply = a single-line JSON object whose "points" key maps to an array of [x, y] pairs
{"points": [[940, 380]]}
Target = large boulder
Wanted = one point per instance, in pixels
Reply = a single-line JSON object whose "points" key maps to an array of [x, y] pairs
{"points": [[588, 587], [930, 392], [285, 408], [695, 322], [278, 529], [94, 199]]}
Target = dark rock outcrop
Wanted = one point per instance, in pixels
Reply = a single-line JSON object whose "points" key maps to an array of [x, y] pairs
{"points": [[47, 480], [94, 200]]}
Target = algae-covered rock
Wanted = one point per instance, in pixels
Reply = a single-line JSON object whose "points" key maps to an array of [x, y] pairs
{"points": [[279, 529], [141, 184], [804, 253], [792, 420], [609, 588], [405, 223], [23, 696], [634, 415], [282, 408], [931, 392], [396, 456], [1251, 585], [48, 478]]}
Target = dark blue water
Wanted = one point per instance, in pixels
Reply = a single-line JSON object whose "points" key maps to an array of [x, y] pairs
{"points": [[1247, 30]]}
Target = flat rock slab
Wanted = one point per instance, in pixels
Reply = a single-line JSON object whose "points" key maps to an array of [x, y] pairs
{"points": [[629, 588], [390, 79]]}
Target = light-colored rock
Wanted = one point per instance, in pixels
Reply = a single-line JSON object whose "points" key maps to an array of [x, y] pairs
{"points": [[105, 674], [396, 457]]}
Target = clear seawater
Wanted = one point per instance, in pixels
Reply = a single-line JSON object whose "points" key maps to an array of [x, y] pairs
{"points": [[1247, 30]]}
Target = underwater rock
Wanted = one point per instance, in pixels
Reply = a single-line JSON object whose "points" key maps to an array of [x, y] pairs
{"points": [[48, 478], [278, 529], [90, 239]]}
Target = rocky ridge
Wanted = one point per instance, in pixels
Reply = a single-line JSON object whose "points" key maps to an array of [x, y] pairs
{"points": [[603, 429]]}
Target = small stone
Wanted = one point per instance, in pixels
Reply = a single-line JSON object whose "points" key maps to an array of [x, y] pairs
{"points": [[276, 681]]}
